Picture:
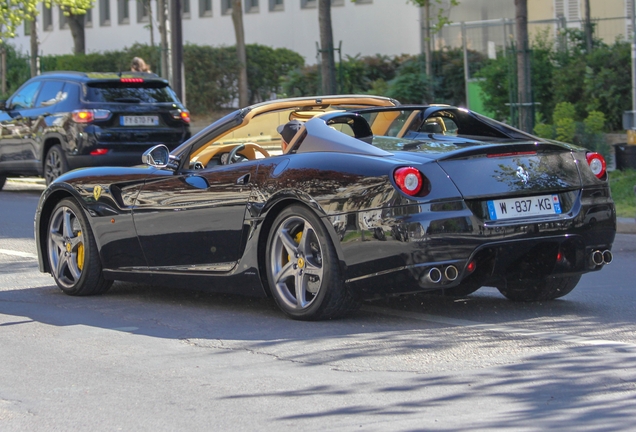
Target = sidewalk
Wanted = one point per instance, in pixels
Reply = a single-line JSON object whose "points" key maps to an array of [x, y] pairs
{"points": [[623, 225]]}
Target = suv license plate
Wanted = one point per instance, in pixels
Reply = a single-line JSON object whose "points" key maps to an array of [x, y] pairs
{"points": [[522, 207], [139, 120]]}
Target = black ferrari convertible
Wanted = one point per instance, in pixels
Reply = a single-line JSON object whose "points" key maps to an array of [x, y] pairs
{"points": [[370, 199]]}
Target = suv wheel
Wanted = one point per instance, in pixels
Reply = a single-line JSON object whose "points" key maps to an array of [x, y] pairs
{"points": [[54, 164]]}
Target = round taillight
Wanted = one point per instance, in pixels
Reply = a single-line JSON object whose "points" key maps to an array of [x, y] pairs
{"points": [[596, 163], [409, 180]]}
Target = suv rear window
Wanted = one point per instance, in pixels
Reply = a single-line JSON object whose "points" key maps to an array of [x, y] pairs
{"points": [[146, 92]]}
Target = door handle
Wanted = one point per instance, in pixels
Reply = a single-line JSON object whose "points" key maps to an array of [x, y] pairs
{"points": [[243, 180]]}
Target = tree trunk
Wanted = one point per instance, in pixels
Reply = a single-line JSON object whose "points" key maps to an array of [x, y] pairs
{"points": [[427, 49], [148, 6], [76, 23], [523, 67], [163, 33], [327, 63], [588, 26], [34, 47], [237, 19]]}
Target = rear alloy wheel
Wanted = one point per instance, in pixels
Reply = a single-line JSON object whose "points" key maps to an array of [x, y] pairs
{"points": [[532, 290], [72, 252], [302, 268], [55, 164]]}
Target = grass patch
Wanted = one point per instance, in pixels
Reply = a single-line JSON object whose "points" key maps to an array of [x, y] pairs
{"points": [[622, 185]]}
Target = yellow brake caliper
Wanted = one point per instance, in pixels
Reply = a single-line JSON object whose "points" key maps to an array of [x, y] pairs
{"points": [[297, 238], [80, 253]]}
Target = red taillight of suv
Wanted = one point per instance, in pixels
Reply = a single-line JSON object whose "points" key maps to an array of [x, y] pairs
{"points": [[409, 180], [597, 164], [88, 116], [183, 115]]}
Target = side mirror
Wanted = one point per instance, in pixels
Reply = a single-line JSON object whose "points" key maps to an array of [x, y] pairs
{"points": [[157, 156]]}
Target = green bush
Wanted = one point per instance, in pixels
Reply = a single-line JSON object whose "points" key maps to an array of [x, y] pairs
{"points": [[18, 70]]}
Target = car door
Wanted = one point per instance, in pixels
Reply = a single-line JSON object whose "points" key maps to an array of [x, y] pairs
{"points": [[193, 221], [17, 144]]}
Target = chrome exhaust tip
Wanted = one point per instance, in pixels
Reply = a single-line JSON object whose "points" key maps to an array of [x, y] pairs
{"points": [[608, 257], [597, 257], [451, 272], [434, 275]]}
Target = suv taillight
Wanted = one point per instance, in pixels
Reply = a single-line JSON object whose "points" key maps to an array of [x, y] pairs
{"points": [[87, 116], [183, 115], [597, 164]]}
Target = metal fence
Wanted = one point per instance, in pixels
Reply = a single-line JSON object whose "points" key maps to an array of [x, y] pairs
{"points": [[490, 37]]}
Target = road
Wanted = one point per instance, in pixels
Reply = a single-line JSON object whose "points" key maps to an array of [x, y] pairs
{"points": [[148, 358]]}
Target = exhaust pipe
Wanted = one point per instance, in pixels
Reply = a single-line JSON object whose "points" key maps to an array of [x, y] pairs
{"points": [[434, 275], [597, 258], [608, 257], [451, 273]]}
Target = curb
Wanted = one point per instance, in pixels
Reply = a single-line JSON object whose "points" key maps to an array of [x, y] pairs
{"points": [[27, 180]]}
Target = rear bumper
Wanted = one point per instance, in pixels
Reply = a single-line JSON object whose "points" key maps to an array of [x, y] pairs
{"points": [[392, 250], [116, 154]]}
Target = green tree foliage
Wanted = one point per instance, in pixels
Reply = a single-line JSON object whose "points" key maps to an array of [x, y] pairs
{"points": [[18, 70], [12, 14], [401, 77], [566, 72], [441, 18], [410, 84]]}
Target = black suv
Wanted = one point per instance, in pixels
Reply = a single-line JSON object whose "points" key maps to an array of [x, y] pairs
{"points": [[59, 121]]}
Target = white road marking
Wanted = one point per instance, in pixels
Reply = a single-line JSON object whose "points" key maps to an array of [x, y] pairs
{"points": [[18, 253], [561, 337]]}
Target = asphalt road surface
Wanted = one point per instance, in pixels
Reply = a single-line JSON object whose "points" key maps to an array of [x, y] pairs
{"points": [[146, 358]]}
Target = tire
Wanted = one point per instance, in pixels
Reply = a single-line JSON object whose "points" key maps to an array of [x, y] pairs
{"points": [[302, 267], [2, 181], [72, 253], [55, 164], [533, 290]]}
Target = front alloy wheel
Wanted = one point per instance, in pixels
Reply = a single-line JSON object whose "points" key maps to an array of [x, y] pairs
{"points": [[302, 268], [72, 252]]}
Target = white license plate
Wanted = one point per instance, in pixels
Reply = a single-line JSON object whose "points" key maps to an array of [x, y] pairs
{"points": [[139, 120], [523, 207]]}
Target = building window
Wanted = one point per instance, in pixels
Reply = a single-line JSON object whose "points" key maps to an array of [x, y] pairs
{"points": [[104, 12], [47, 18], [123, 12], [337, 2], [276, 5], [308, 4], [205, 8], [88, 18], [226, 7], [143, 11], [63, 19], [185, 8], [251, 6]]}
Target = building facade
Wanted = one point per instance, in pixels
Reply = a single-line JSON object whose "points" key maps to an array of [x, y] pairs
{"points": [[363, 27]]}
